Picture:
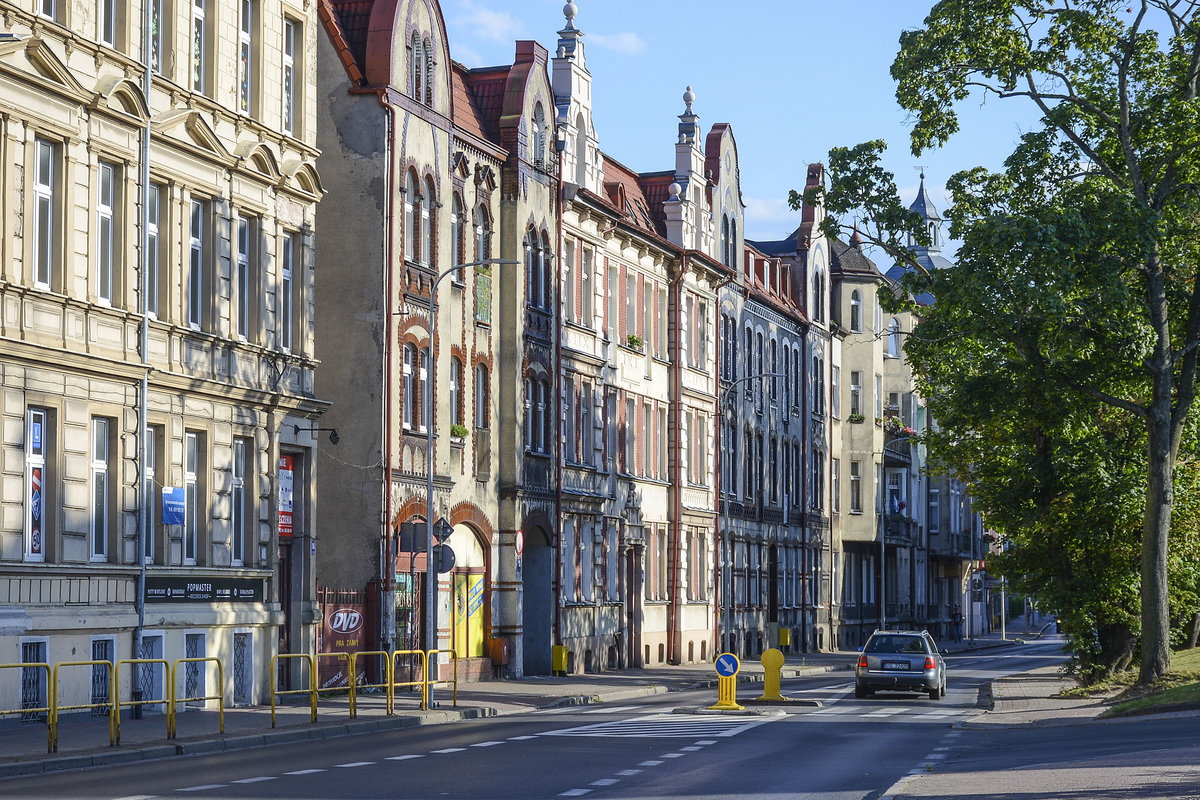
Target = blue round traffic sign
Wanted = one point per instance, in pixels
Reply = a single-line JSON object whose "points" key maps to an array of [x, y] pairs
{"points": [[727, 665]]}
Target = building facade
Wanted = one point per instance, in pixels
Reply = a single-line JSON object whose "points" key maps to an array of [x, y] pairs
{"points": [[158, 354]]}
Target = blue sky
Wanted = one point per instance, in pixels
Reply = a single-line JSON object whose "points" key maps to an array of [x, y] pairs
{"points": [[793, 79]]}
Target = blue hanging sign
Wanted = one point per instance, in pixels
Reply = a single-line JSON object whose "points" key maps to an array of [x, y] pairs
{"points": [[174, 506]]}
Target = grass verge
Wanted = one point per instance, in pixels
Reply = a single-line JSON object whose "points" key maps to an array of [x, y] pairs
{"points": [[1178, 690]]}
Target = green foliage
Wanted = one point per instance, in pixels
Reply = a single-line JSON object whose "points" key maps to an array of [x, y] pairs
{"points": [[1060, 355]]}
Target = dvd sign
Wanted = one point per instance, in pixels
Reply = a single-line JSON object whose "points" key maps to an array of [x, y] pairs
{"points": [[345, 620]]}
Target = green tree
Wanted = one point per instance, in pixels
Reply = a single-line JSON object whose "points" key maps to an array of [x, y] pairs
{"points": [[1103, 194]]}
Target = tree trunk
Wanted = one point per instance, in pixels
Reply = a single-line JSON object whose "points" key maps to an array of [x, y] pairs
{"points": [[1194, 636], [1160, 492]]}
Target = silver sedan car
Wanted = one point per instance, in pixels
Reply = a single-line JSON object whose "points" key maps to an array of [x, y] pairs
{"points": [[900, 661]]}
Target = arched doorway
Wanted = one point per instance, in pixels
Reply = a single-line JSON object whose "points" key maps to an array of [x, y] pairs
{"points": [[537, 606]]}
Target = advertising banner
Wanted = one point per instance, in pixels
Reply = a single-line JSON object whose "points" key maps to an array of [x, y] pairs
{"points": [[286, 463]]}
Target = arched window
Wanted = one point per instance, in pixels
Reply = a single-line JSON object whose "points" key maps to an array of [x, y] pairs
{"points": [[417, 68], [530, 422], [428, 222], [818, 301], [547, 272], [856, 311], [533, 270], [537, 139], [456, 236], [787, 375], [818, 384], [412, 218], [427, 64], [894, 338], [456, 404], [580, 151], [725, 240], [734, 250], [409, 382], [421, 389], [483, 234], [774, 369], [482, 395]]}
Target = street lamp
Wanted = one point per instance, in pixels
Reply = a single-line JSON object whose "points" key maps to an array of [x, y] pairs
{"points": [[727, 603], [883, 535], [430, 568]]}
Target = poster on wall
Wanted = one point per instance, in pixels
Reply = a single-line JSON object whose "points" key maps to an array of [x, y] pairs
{"points": [[286, 462], [468, 615]]}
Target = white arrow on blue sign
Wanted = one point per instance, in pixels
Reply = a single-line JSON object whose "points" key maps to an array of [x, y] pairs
{"points": [[727, 665]]}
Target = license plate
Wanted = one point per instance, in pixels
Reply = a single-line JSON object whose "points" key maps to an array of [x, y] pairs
{"points": [[895, 665]]}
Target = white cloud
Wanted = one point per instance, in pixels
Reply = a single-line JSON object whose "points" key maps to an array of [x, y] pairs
{"points": [[466, 55], [488, 25], [628, 43]]}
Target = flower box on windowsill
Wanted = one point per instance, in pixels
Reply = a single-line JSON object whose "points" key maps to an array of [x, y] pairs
{"points": [[856, 418], [459, 434], [634, 341]]}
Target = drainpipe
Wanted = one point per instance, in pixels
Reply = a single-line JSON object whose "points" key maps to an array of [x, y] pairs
{"points": [[559, 145], [387, 568], [145, 521], [719, 478], [676, 521]]}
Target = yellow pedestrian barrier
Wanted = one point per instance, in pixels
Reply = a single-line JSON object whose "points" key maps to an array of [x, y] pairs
{"points": [[727, 667], [387, 683], [51, 731], [311, 691], [429, 654], [350, 674], [219, 696], [422, 682], [772, 661], [117, 697]]}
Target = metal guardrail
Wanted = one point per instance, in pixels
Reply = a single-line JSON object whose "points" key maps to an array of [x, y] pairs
{"points": [[350, 674], [116, 698], [429, 654], [51, 737], [386, 685], [175, 700], [421, 670], [311, 691], [113, 732]]}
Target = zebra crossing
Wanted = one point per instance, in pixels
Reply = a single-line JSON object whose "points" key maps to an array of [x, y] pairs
{"points": [[662, 726]]}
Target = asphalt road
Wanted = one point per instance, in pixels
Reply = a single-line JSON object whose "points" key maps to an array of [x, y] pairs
{"points": [[843, 749]]}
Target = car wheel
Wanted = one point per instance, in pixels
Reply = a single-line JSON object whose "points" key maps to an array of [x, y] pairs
{"points": [[943, 688], [861, 692], [935, 693]]}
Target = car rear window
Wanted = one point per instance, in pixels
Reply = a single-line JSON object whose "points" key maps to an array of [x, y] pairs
{"points": [[895, 644]]}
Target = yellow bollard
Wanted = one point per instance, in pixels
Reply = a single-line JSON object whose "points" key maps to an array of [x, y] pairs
{"points": [[772, 661], [727, 666]]}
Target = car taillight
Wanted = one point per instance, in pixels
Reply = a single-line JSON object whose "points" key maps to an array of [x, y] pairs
{"points": [[862, 662], [930, 663]]}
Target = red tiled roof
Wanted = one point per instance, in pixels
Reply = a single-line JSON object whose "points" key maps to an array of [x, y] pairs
{"points": [[347, 22], [466, 112], [637, 210], [487, 87]]}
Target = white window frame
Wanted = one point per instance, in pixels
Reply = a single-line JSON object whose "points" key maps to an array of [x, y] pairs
{"points": [[237, 498], [45, 155], [199, 44], [935, 510], [36, 429], [855, 312], [196, 256], [287, 267], [106, 178], [245, 90], [106, 22], [99, 490], [856, 487], [191, 482], [408, 372], [878, 396], [153, 209], [835, 391], [243, 230]]}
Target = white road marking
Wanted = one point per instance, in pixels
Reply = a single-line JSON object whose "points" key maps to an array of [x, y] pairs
{"points": [[355, 764], [258, 780], [671, 755], [691, 749], [613, 710], [486, 744], [604, 782], [205, 787], [629, 773], [707, 741], [887, 712], [574, 793], [665, 726], [304, 772], [520, 738], [449, 750], [405, 758], [649, 763]]}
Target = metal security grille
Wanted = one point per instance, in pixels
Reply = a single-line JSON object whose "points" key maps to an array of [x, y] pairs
{"points": [[33, 681], [241, 669], [193, 675], [102, 650], [150, 676]]}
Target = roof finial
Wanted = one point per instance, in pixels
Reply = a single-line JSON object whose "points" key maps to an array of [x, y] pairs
{"points": [[569, 11], [689, 97]]}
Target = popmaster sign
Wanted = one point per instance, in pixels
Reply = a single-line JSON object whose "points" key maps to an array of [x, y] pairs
{"points": [[202, 589]]}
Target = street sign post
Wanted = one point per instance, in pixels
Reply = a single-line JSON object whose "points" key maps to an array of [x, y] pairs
{"points": [[727, 666], [442, 530]]}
